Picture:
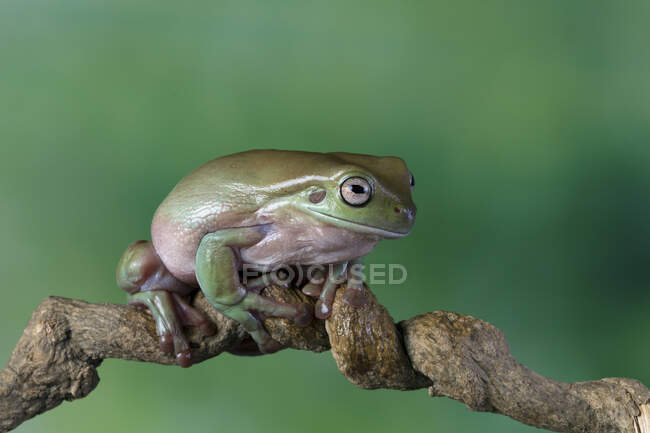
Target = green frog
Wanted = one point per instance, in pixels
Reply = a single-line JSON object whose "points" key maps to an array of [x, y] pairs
{"points": [[263, 209]]}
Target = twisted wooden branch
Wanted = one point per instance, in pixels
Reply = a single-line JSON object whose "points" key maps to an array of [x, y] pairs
{"points": [[453, 355]]}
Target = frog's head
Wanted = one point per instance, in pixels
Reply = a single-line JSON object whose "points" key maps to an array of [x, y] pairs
{"points": [[364, 194]]}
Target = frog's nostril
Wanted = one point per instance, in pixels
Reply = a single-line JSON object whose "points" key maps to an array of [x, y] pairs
{"points": [[407, 211]]}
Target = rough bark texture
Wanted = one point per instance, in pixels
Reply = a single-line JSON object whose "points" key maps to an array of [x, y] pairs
{"points": [[456, 356]]}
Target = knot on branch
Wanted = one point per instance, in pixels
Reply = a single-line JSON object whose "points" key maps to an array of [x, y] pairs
{"points": [[450, 347], [368, 348]]}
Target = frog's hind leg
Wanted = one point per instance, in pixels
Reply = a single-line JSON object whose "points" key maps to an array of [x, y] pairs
{"points": [[190, 316], [148, 283], [217, 264]]}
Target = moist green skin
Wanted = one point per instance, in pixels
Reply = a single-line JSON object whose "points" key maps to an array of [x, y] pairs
{"points": [[265, 208]]}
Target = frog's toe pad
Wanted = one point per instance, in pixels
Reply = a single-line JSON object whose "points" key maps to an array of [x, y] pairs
{"points": [[183, 355], [312, 289], [304, 314], [323, 311], [167, 343], [184, 358]]}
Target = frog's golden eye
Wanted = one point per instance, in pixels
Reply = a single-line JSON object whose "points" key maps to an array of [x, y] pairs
{"points": [[356, 191]]}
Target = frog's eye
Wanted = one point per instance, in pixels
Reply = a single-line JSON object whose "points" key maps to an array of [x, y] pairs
{"points": [[411, 179], [356, 191]]}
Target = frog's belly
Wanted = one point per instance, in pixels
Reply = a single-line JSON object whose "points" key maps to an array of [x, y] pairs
{"points": [[307, 246]]}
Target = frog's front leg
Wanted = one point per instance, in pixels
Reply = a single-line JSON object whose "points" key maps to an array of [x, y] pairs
{"points": [[335, 277], [217, 265]]}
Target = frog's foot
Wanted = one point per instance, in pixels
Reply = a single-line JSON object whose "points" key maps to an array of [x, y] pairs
{"points": [[171, 312], [335, 276], [244, 313], [190, 316], [255, 306], [217, 263], [355, 294], [254, 327]]}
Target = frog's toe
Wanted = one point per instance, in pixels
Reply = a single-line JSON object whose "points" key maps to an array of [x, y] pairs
{"points": [[326, 297], [168, 316], [323, 309], [314, 286], [174, 343], [304, 314], [312, 289], [255, 329], [166, 343], [182, 351], [190, 316], [184, 358]]}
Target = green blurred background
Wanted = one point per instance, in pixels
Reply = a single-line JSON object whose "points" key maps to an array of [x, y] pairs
{"points": [[526, 124]]}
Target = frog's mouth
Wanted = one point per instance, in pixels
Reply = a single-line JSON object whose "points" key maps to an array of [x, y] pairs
{"points": [[362, 228]]}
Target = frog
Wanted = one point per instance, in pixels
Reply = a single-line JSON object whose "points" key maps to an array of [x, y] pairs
{"points": [[264, 209]]}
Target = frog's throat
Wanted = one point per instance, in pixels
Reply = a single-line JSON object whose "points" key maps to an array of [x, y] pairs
{"points": [[361, 228]]}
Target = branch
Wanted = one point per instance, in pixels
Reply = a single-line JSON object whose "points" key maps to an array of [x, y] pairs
{"points": [[456, 356]]}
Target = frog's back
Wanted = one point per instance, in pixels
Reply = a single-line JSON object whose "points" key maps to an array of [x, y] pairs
{"points": [[226, 193]]}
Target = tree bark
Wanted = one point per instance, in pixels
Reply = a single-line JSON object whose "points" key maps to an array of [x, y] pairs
{"points": [[455, 356]]}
